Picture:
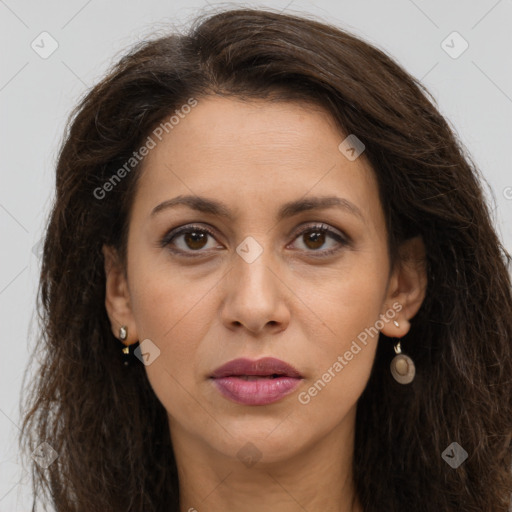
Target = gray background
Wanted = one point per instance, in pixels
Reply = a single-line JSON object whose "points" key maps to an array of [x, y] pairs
{"points": [[473, 91]]}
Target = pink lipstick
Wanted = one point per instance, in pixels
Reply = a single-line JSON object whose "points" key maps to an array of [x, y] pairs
{"points": [[259, 382]]}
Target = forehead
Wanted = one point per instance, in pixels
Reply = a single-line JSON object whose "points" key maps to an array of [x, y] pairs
{"points": [[261, 151], [257, 127]]}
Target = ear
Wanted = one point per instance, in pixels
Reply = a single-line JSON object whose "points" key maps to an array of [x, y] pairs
{"points": [[407, 286], [117, 299]]}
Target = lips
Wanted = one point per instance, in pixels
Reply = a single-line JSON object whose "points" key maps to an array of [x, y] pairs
{"points": [[259, 382], [265, 367]]}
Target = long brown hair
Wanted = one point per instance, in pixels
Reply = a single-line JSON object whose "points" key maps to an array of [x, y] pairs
{"points": [[104, 421]]}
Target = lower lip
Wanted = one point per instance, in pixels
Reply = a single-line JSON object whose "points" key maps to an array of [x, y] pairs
{"points": [[256, 392]]}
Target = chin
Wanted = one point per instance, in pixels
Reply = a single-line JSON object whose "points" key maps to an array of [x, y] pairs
{"points": [[259, 440]]}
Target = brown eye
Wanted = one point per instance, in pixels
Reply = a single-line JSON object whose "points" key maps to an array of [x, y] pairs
{"points": [[195, 239], [188, 239], [313, 238]]}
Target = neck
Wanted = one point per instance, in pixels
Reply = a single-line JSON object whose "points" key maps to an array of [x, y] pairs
{"points": [[316, 478]]}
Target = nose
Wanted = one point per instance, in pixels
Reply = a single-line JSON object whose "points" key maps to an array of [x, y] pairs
{"points": [[256, 296]]}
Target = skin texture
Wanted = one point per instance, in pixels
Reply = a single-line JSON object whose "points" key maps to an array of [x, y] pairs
{"points": [[202, 312]]}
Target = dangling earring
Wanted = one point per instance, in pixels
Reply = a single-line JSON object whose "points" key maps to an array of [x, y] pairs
{"points": [[402, 366], [123, 334]]}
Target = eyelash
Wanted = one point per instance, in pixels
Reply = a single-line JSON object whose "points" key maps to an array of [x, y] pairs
{"points": [[322, 228]]}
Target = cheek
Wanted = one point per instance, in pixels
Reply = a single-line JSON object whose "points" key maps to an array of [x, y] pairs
{"points": [[348, 298], [166, 299], [347, 309], [170, 309], [172, 312]]}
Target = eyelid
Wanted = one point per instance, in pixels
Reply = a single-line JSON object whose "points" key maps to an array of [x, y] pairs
{"points": [[306, 226]]}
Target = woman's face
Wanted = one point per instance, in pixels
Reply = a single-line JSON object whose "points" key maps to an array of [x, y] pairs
{"points": [[264, 283]]}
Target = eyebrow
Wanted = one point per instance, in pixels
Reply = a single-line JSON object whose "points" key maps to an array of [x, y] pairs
{"points": [[214, 207]]}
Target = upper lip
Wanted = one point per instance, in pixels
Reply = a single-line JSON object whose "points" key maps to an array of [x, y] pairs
{"points": [[264, 366]]}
